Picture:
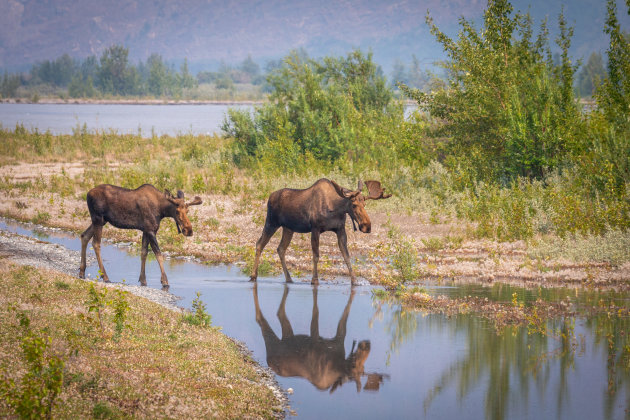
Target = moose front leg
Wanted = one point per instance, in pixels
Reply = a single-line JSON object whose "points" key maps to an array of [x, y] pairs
{"points": [[342, 241], [143, 259], [315, 248], [159, 258]]}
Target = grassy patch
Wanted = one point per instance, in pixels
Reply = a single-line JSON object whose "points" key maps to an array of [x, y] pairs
{"points": [[159, 367]]}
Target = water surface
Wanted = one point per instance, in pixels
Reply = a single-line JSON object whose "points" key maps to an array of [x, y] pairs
{"points": [[415, 366], [124, 119]]}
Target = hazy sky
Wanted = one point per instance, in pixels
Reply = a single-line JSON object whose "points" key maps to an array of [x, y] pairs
{"points": [[208, 31]]}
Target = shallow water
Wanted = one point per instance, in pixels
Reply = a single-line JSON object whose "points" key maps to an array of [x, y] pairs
{"points": [[417, 366], [125, 119]]}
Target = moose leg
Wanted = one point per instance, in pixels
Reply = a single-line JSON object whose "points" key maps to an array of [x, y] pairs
{"points": [[96, 244], [143, 259], [315, 316], [342, 240], [287, 234], [260, 245], [85, 239], [343, 321], [271, 339], [287, 330], [315, 247], [158, 257]]}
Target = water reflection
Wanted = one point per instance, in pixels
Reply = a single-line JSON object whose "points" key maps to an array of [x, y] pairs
{"points": [[322, 361], [518, 370]]}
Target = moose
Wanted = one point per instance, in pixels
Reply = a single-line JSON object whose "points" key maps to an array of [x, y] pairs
{"points": [[320, 208], [142, 209], [322, 361]]}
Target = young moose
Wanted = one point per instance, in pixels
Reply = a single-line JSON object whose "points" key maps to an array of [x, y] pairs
{"points": [[142, 209], [320, 208]]}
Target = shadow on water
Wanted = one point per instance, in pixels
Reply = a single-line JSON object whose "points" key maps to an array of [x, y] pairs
{"points": [[422, 365]]}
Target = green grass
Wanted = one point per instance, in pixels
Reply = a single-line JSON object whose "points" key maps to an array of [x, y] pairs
{"points": [[156, 360]]}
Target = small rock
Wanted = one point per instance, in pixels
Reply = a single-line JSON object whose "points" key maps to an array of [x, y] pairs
{"points": [[290, 391]]}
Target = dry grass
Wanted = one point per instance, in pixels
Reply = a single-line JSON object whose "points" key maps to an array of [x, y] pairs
{"points": [[160, 367]]}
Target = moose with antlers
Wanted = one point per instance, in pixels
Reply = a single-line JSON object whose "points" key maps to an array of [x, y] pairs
{"points": [[142, 209], [320, 208]]}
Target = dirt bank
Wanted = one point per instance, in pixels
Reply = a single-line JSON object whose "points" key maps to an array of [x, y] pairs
{"points": [[227, 226]]}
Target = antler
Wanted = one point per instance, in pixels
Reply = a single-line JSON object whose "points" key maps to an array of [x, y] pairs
{"points": [[375, 191]]}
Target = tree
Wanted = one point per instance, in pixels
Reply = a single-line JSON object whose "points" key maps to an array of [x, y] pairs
{"points": [[332, 110], [507, 109], [9, 86], [184, 78], [591, 75], [114, 74]]}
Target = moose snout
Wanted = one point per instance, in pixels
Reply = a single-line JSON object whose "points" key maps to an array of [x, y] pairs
{"points": [[187, 231], [365, 228]]}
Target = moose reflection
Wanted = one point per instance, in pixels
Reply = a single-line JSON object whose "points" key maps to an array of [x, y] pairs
{"points": [[321, 360]]}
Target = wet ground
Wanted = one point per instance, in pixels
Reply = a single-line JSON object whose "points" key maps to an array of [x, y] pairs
{"points": [[344, 355]]}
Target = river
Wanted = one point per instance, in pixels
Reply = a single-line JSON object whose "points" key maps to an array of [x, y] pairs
{"points": [[405, 364], [147, 120]]}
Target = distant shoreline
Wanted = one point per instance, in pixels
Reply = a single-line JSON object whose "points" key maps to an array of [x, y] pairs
{"points": [[84, 101]]}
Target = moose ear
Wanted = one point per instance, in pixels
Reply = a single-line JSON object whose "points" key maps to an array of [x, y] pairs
{"points": [[375, 191], [196, 201], [180, 194]]}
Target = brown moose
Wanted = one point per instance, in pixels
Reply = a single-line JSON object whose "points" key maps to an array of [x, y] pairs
{"points": [[142, 209], [322, 361], [320, 208]]}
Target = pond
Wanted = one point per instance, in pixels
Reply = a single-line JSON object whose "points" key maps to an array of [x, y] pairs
{"points": [[345, 355], [145, 120]]}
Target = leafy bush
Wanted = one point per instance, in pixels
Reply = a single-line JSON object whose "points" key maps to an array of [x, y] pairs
{"points": [[333, 111], [35, 394], [508, 110]]}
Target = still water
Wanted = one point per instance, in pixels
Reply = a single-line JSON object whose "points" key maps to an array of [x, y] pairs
{"points": [[347, 356], [124, 119]]}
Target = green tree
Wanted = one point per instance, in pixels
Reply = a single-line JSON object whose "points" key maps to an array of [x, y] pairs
{"points": [[184, 78], [114, 74], [591, 74], [507, 109], [10, 84], [336, 110], [158, 82]]}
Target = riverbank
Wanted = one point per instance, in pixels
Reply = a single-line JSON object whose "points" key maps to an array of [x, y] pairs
{"points": [[141, 361], [227, 226]]}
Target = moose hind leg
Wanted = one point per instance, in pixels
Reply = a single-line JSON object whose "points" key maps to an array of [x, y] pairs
{"points": [[287, 235], [260, 245], [96, 244], [143, 259], [315, 248], [85, 239]]}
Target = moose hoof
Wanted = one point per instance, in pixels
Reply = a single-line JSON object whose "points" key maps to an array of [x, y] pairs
{"points": [[143, 281], [81, 274]]}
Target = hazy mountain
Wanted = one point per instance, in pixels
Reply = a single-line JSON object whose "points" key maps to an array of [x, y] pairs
{"points": [[208, 31]]}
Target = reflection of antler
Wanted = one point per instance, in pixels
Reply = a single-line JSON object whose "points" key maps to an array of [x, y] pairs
{"points": [[375, 191]]}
